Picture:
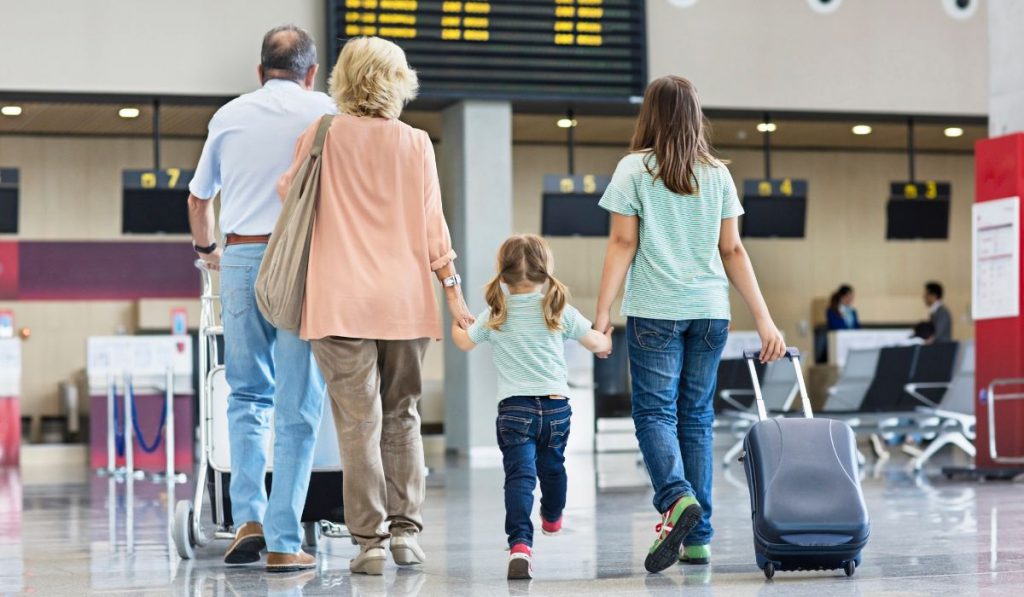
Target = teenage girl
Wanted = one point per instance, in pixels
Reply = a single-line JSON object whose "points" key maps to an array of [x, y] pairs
{"points": [[675, 242], [527, 327]]}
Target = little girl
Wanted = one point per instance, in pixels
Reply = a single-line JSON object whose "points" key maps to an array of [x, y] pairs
{"points": [[527, 329]]}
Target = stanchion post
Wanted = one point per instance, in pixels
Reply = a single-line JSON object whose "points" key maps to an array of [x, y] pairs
{"points": [[111, 424], [169, 425], [129, 448]]}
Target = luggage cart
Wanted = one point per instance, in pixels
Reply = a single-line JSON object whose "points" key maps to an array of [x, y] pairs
{"points": [[323, 514]]}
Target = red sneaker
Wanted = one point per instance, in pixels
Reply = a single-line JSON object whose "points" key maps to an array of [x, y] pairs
{"points": [[551, 527], [520, 562]]}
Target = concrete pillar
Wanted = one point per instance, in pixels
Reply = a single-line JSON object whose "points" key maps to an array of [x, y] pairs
{"points": [[476, 178], [1006, 70]]}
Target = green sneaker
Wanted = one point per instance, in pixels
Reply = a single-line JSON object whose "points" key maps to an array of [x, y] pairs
{"points": [[675, 525], [695, 554]]}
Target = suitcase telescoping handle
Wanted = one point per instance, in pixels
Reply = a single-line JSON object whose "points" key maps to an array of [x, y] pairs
{"points": [[793, 354]]}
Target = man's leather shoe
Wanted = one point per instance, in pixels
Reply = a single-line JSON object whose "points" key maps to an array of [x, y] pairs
{"points": [[248, 544], [289, 562]]}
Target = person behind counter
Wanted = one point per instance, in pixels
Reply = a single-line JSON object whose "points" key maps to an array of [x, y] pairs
{"points": [[840, 314]]}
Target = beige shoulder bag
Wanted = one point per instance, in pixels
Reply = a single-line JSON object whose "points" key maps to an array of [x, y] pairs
{"points": [[281, 282]]}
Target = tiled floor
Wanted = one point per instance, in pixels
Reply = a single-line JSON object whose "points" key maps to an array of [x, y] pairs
{"points": [[62, 536]]}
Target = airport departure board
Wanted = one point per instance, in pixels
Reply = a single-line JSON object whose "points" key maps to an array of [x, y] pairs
{"points": [[9, 183], [586, 50]]}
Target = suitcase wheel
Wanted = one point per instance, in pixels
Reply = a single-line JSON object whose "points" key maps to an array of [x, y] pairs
{"points": [[769, 570], [850, 567]]}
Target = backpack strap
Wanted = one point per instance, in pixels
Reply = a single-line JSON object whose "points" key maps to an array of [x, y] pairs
{"points": [[321, 135]]}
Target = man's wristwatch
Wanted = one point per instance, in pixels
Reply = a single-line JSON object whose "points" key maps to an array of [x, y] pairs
{"points": [[204, 250], [452, 281]]}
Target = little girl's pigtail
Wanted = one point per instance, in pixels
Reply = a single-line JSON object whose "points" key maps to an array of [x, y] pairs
{"points": [[495, 297], [554, 303]]}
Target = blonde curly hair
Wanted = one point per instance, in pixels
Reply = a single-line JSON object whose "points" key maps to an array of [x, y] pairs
{"points": [[372, 78]]}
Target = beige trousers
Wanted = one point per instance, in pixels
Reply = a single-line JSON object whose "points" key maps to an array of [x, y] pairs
{"points": [[375, 386]]}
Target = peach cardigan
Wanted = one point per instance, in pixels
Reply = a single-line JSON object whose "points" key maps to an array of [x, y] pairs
{"points": [[379, 232]]}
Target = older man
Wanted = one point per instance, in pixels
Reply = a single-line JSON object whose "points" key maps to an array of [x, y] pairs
{"points": [[250, 144]]}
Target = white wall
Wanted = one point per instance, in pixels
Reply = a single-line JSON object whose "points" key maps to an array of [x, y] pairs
{"points": [[190, 47], [869, 55]]}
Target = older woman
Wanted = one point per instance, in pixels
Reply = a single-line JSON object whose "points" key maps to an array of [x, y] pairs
{"points": [[369, 307]]}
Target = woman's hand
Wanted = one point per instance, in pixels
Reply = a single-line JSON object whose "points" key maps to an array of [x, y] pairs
{"points": [[773, 345], [457, 306], [602, 323]]}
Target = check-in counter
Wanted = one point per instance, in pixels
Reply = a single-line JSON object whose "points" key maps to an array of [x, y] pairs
{"points": [[145, 360], [10, 405], [841, 342]]}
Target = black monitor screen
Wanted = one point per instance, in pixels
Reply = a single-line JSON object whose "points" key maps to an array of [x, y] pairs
{"points": [[573, 214], [155, 211], [774, 217], [911, 219], [9, 210]]}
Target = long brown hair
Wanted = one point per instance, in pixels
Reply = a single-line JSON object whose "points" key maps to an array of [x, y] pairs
{"points": [[673, 128], [526, 258]]}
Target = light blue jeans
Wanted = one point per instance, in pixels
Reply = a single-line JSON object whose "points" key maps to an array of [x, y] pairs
{"points": [[268, 370], [674, 365]]}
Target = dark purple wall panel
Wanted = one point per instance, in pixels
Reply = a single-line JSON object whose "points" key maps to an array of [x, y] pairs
{"points": [[106, 270]]}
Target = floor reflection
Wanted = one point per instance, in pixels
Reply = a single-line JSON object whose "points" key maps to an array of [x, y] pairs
{"points": [[105, 535]]}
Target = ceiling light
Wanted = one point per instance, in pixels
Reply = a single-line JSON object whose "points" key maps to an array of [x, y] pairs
{"points": [[567, 123], [953, 131], [766, 127], [128, 112], [862, 129], [11, 110]]}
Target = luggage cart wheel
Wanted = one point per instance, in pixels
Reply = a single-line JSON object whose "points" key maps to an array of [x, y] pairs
{"points": [[184, 541], [769, 570], [850, 568], [311, 534]]}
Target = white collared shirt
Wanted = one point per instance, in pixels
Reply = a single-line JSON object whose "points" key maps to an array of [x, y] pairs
{"points": [[935, 307], [251, 142]]}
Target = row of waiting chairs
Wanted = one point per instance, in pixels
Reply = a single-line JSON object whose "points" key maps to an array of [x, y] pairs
{"points": [[922, 390]]}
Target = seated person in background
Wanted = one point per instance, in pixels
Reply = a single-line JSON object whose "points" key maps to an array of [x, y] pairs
{"points": [[940, 318], [840, 314], [924, 333]]}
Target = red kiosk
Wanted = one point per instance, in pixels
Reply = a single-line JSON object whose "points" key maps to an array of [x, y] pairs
{"points": [[999, 322]]}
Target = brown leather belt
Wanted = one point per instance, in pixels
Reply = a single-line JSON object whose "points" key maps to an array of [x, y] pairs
{"points": [[242, 239]]}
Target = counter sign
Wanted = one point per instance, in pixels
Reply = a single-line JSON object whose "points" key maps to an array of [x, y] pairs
{"points": [[155, 201]]}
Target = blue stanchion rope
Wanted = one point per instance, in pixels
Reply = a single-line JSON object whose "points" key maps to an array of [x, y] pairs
{"points": [[148, 449]]}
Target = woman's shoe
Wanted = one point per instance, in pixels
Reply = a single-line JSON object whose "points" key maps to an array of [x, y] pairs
{"points": [[675, 525], [695, 554], [406, 550], [369, 561]]}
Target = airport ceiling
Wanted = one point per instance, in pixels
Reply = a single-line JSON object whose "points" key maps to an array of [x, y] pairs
{"points": [[804, 131]]}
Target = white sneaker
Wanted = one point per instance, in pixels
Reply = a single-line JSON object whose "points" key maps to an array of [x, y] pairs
{"points": [[369, 561], [406, 550]]}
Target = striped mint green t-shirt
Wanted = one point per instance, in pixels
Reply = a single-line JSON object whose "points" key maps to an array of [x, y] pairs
{"points": [[677, 273], [529, 357]]}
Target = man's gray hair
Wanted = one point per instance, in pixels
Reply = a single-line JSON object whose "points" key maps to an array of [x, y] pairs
{"points": [[289, 50]]}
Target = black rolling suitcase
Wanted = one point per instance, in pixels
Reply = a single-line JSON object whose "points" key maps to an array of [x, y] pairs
{"points": [[807, 505]]}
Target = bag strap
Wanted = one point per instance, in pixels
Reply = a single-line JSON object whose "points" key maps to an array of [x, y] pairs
{"points": [[321, 135]]}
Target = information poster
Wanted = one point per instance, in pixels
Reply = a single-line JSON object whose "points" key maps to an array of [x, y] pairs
{"points": [[996, 250]]}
